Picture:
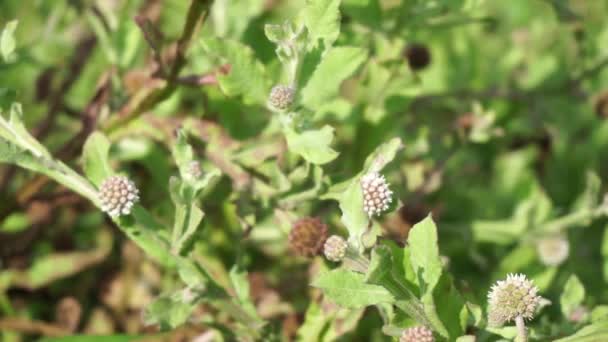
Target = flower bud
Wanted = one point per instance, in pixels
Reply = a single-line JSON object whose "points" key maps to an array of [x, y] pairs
{"points": [[376, 194], [307, 236], [335, 248], [281, 97], [553, 250], [118, 194], [510, 298], [417, 334]]}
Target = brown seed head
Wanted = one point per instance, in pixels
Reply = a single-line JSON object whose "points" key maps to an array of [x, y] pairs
{"points": [[307, 236]]}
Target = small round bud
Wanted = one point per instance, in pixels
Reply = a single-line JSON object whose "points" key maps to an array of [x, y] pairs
{"points": [[335, 248], [281, 97], [553, 250], [417, 334], [510, 298], [307, 236], [376, 194], [118, 194], [418, 56], [194, 169]]}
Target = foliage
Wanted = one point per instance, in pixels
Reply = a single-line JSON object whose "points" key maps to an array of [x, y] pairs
{"points": [[492, 146]]}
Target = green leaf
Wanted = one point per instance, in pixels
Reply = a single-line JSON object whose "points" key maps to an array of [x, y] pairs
{"points": [[168, 311], [312, 145], [354, 217], [7, 40], [572, 296], [322, 19], [247, 75], [425, 259], [383, 155], [240, 284], [315, 323], [14, 131], [349, 289], [336, 65], [95, 158], [596, 332]]}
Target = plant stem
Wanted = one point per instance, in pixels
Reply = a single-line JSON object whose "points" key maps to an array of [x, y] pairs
{"points": [[522, 334]]}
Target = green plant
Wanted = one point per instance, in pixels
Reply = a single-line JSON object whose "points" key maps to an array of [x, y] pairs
{"points": [[235, 144]]}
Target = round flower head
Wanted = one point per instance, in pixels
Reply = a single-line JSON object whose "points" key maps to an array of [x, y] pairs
{"points": [[335, 248], [118, 194], [553, 250], [281, 97], [510, 298], [307, 236], [376, 194], [417, 334]]}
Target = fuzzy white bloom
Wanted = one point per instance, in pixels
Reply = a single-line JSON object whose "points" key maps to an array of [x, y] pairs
{"points": [[376, 194], [335, 248], [194, 169], [417, 334], [510, 298], [118, 194], [553, 250]]}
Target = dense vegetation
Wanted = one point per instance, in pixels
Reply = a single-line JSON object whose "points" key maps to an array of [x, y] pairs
{"points": [[310, 170]]}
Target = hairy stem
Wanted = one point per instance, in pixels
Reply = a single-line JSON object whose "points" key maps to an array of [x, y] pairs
{"points": [[522, 334]]}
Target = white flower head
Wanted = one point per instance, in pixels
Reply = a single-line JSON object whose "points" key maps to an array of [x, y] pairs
{"points": [[118, 194], [553, 250], [335, 248], [510, 298], [376, 194], [417, 334]]}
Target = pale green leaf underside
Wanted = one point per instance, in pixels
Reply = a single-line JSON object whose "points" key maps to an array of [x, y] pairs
{"points": [[312, 145], [336, 65], [349, 289], [95, 158]]}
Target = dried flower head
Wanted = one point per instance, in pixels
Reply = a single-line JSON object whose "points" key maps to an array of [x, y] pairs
{"points": [[376, 194], [418, 56], [335, 248], [118, 194], [553, 250], [510, 298], [417, 334], [281, 97], [307, 236]]}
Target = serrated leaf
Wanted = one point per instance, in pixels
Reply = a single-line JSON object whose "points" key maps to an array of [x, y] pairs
{"points": [[312, 145], [95, 158], [322, 19], [349, 289], [247, 76], [572, 296], [336, 65], [7, 40]]}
